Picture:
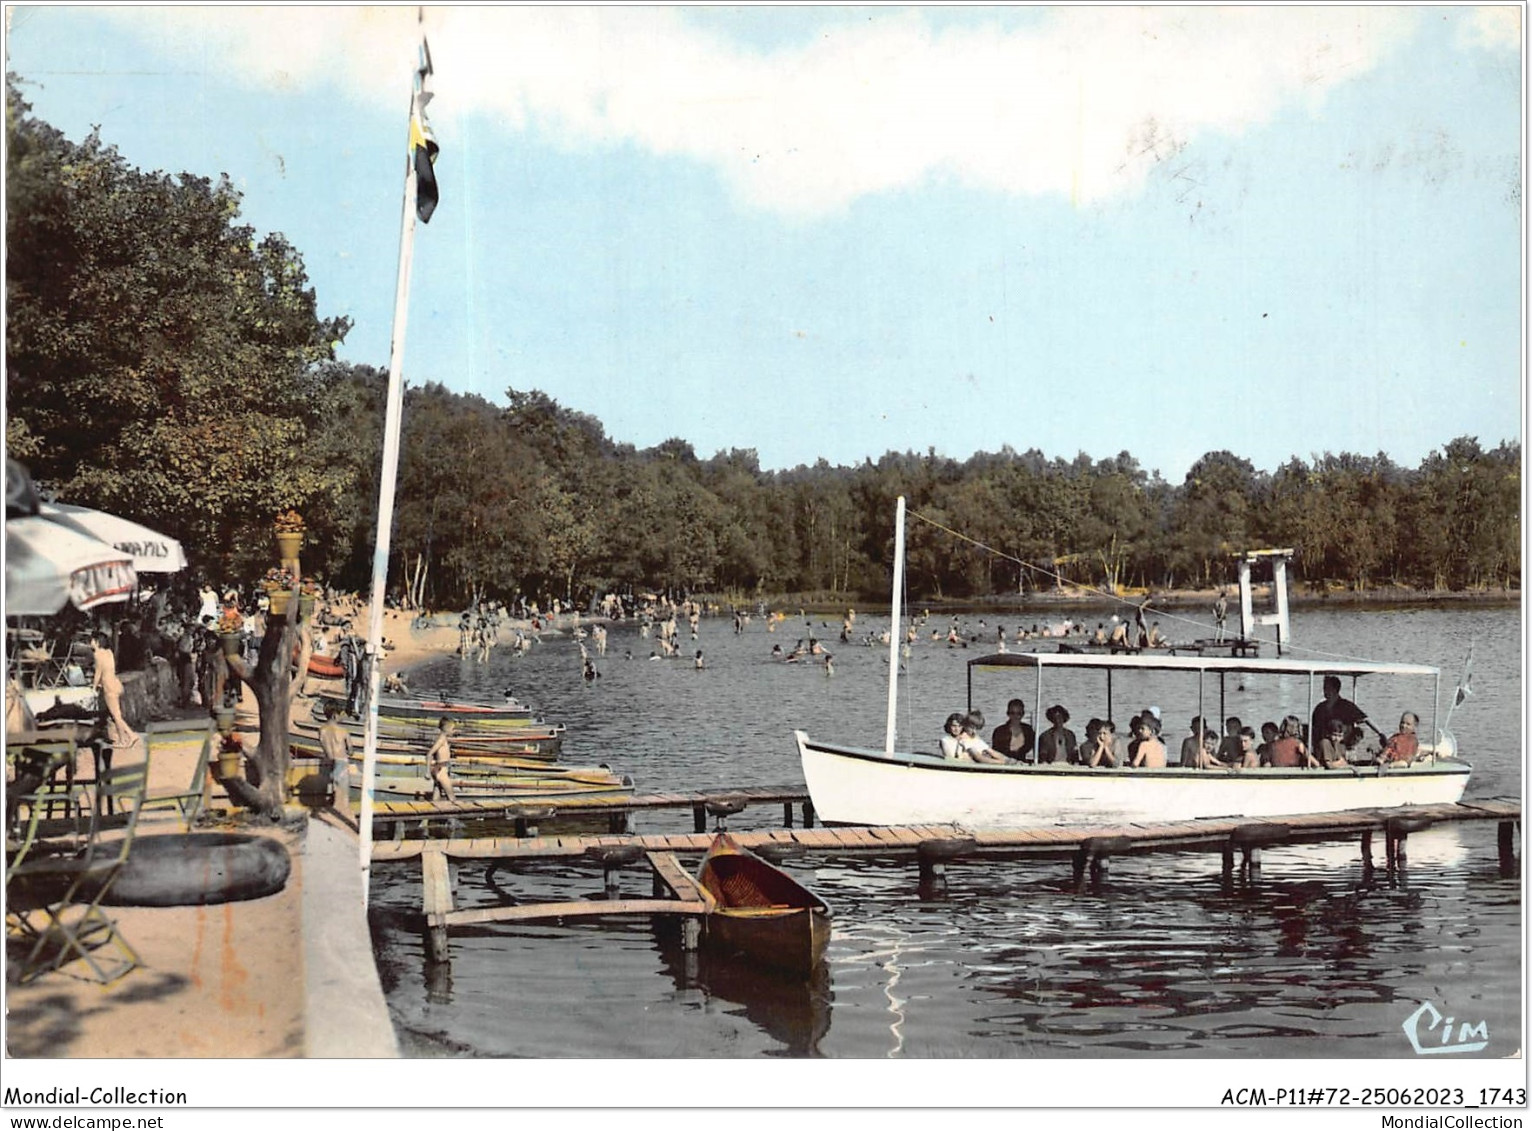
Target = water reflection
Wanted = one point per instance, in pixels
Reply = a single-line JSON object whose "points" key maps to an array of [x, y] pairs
{"points": [[1311, 955]]}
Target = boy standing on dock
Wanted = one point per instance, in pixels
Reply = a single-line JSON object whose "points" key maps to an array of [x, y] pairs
{"points": [[440, 757], [335, 744]]}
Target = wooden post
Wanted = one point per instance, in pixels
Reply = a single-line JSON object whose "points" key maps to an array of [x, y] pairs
{"points": [[1228, 860], [436, 885], [699, 818], [1080, 860], [808, 814], [1506, 843], [691, 932], [520, 827], [787, 815], [1367, 850], [1391, 847], [617, 823], [1252, 863]]}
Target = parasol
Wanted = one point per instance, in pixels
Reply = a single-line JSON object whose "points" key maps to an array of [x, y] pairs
{"points": [[150, 551], [48, 566]]}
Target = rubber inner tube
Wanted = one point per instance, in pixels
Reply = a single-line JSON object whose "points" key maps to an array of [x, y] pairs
{"points": [[194, 869]]}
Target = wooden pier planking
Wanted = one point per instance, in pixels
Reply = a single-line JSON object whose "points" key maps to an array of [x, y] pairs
{"points": [[885, 840]]}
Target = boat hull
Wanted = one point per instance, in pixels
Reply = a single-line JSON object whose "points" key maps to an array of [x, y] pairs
{"points": [[853, 785], [760, 912], [431, 711]]}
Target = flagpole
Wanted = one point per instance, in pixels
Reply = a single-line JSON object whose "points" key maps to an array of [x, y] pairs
{"points": [[393, 422]]}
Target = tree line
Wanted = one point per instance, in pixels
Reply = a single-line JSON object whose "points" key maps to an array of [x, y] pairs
{"points": [[168, 364]]}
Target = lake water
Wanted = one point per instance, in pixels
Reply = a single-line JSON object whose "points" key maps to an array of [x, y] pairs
{"points": [[1164, 958]]}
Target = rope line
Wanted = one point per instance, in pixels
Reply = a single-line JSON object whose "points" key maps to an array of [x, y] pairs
{"points": [[1145, 606]]}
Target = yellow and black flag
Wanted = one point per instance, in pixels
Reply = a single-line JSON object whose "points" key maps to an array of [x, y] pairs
{"points": [[423, 147]]}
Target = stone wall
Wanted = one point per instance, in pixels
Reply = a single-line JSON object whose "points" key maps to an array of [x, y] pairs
{"points": [[150, 694]]}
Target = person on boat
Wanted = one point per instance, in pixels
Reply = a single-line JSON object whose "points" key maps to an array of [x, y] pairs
{"points": [[1014, 738], [1156, 637], [1119, 636], [952, 733], [1269, 733], [1099, 636], [1058, 743], [1332, 746], [1100, 743], [1249, 758], [1333, 706], [1191, 745], [973, 747], [1288, 751], [439, 757], [1228, 748], [1147, 751], [1220, 615], [1206, 756], [1403, 746]]}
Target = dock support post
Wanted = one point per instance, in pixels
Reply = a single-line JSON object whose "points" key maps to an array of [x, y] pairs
{"points": [[1252, 864], [1228, 861], [699, 818], [436, 884], [808, 814], [617, 824], [1506, 843], [1367, 850], [691, 932], [787, 815]]}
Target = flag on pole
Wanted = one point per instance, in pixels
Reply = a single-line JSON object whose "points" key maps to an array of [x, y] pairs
{"points": [[423, 147]]}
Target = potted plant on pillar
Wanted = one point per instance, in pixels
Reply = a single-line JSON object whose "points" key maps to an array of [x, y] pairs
{"points": [[231, 628], [278, 583], [289, 527]]}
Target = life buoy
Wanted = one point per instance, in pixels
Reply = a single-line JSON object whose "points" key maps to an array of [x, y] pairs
{"points": [[199, 868]]}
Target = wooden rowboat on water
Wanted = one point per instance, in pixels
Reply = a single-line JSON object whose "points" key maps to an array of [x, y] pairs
{"points": [[430, 711], [761, 911]]}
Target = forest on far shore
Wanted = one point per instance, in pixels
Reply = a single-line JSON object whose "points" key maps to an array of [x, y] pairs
{"points": [[167, 364]]}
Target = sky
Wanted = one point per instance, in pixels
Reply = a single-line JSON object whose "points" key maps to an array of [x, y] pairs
{"points": [[826, 232]]}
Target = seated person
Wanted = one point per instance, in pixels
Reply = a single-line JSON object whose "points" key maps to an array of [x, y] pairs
{"points": [[1288, 751], [1058, 743], [1228, 748], [1332, 746], [1269, 733], [1191, 745], [1147, 751], [1403, 746], [1014, 738], [1334, 706], [974, 747], [1100, 743], [952, 729], [1119, 637], [1206, 757], [1249, 759]]}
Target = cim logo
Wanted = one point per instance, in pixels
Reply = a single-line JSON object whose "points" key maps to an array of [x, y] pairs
{"points": [[1419, 1026]]}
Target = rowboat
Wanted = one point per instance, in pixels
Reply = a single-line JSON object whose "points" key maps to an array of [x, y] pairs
{"points": [[304, 739], [760, 911], [528, 740], [326, 667], [432, 710], [859, 785]]}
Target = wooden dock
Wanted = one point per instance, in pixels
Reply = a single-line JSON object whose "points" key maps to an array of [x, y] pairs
{"points": [[932, 846], [618, 808]]}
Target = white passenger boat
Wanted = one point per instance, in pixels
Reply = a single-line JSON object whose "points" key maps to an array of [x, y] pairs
{"points": [[857, 785]]}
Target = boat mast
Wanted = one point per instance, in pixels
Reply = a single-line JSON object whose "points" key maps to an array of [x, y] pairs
{"points": [[895, 634]]}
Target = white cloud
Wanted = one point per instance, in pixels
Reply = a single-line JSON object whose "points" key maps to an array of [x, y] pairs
{"points": [[1082, 104], [1497, 28]]}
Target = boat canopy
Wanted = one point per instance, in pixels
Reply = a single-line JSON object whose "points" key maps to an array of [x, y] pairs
{"points": [[1143, 661]]}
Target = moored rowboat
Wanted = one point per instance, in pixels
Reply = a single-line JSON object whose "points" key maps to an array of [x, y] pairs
{"points": [[762, 912]]}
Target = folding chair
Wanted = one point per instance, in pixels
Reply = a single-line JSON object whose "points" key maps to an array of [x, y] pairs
{"points": [[189, 802], [68, 890]]}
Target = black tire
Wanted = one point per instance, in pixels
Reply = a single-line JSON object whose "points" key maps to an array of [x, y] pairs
{"points": [[196, 869]]}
